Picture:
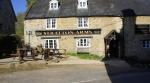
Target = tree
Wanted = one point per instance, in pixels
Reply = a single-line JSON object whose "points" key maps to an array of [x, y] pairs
{"points": [[30, 2], [20, 18], [20, 25]]}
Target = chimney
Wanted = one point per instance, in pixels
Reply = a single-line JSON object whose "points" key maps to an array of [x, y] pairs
{"points": [[129, 22]]}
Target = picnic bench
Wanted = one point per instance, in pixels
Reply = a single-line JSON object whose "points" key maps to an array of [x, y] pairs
{"points": [[33, 52], [23, 52], [51, 53]]}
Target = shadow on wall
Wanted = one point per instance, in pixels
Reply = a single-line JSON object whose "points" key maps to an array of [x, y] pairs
{"points": [[114, 70], [116, 43], [8, 44]]}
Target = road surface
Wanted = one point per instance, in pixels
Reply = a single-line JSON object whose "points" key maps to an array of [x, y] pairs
{"points": [[75, 74]]}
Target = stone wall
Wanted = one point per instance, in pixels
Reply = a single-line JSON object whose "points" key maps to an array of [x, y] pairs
{"points": [[133, 42], [106, 24]]}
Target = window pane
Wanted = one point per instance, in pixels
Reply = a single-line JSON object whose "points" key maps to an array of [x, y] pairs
{"points": [[50, 44], [46, 44], [51, 5], [55, 5], [85, 22], [78, 42], [48, 23], [80, 4], [53, 23], [83, 4], [80, 22], [146, 44], [84, 42]]}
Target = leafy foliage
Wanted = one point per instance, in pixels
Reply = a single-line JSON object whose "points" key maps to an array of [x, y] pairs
{"points": [[20, 25], [30, 2]]}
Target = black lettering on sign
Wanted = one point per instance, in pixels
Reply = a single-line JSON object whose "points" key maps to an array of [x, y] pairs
{"points": [[67, 32]]}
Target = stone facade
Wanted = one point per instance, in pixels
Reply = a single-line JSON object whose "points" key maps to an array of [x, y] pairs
{"points": [[106, 24], [132, 42], [7, 17]]}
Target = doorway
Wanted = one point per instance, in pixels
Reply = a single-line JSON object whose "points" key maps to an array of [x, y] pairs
{"points": [[112, 45]]}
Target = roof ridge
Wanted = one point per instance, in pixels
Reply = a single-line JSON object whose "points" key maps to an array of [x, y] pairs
{"points": [[28, 10]]}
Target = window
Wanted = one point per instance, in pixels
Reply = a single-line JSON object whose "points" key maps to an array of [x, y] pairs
{"points": [[83, 42], [82, 22], [51, 23], [53, 5], [51, 43], [142, 29], [82, 4], [146, 44]]}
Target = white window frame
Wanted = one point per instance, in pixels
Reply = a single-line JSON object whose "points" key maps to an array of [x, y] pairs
{"points": [[53, 5], [57, 43], [146, 44], [82, 4], [84, 44], [81, 21], [49, 23]]}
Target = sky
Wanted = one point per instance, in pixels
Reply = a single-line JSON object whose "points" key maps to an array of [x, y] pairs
{"points": [[19, 6]]}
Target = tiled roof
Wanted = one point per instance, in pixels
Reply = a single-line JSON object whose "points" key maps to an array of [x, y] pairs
{"points": [[68, 8]]}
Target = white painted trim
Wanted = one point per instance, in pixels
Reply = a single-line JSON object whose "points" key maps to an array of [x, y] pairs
{"points": [[57, 43], [83, 46], [82, 7], [53, 1], [82, 23], [51, 24]]}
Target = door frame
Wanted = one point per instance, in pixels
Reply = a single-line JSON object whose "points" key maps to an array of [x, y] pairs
{"points": [[113, 35]]}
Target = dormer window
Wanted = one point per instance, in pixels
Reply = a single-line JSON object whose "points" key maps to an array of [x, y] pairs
{"points": [[53, 5], [82, 4]]}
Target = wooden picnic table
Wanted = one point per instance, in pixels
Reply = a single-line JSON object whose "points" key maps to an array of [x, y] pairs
{"points": [[48, 53], [54, 53], [24, 52]]}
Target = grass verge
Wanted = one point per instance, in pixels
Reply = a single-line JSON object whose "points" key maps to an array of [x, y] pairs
{"points": [[86, 56]]}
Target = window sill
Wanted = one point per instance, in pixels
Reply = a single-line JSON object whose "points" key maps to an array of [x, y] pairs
{"points": [[84, 47], [83, 27], [51, 28]]}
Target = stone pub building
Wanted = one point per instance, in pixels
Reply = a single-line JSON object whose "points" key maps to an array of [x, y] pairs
{"points": [[112, 28]]}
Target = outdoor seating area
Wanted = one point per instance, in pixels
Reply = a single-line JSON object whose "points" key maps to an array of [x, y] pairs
{"points": [[28, 53]]}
